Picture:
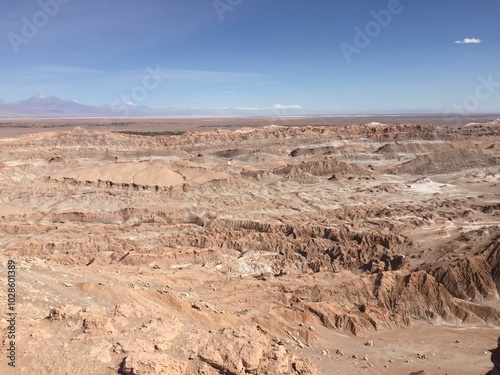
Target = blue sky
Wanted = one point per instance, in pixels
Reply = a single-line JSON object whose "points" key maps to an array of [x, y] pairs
{"points": [[281, 54]]}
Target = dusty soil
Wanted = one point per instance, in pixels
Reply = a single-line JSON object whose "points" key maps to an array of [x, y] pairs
{"points": [[350, 249]]}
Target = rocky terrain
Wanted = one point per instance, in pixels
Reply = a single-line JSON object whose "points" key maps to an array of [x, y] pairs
{"points": [[353, 249]]}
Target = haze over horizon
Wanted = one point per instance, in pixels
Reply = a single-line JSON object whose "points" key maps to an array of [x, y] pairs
{"points": [[290, 57]]}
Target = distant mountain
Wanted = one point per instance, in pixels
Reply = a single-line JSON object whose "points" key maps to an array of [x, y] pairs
{"points": [[40, 106], [41, 101]]}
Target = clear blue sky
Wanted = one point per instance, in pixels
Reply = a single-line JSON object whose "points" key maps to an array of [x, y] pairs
{"points": [[258, 54]]}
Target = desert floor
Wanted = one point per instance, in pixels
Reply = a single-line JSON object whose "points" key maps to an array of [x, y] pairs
{"points": [[258, 246]]}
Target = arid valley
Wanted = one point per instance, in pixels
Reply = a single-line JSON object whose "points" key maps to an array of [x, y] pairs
{"points": [[285, 248]]}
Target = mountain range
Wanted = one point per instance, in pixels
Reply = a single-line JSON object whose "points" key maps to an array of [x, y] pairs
{"points": [[40, 106]]}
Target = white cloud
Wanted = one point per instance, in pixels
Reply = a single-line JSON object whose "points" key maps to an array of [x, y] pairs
{"points": [[282, 106], [66, 69], [211, 108], [273, 108], [248, 108], [468, 41], [178, 75]]}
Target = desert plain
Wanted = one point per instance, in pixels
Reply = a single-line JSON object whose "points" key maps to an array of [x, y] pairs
{"points": [[295, 247]]}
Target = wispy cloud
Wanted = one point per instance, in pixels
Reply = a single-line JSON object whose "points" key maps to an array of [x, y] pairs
{"points": [[66, 69], [273, 107], [468, 41], [249, 108], [178, 75], [283, 106]]}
